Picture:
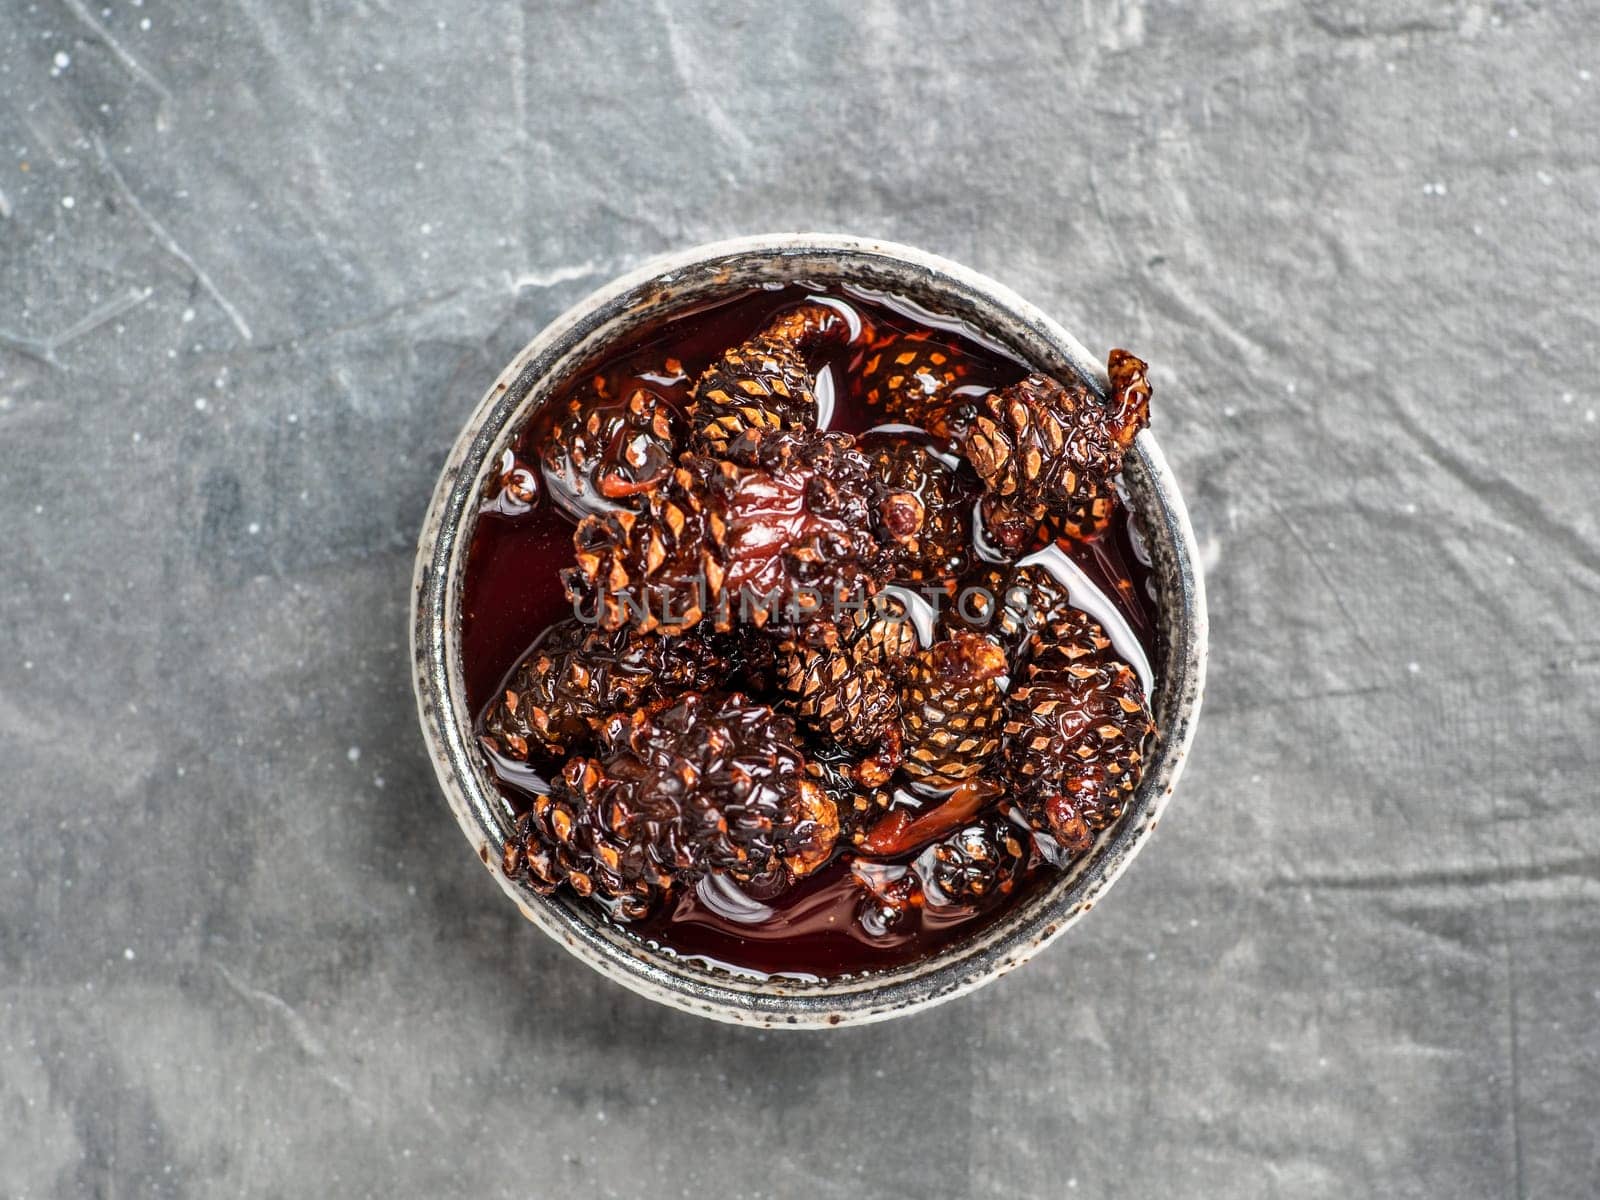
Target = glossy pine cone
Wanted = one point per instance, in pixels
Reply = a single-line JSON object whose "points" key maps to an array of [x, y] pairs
{"points": [[912, 376], [577, 676], [763, 387], [1008, 604], [589, 834], [756, 389], [885, 634], [779, 542], [1045, 449], [656, 569], [841, 680], [606, 452], [839, 695], [810, 529], [719, 782], [974, 867], [814, 324], [950, 706], [1075, 731], [942, 546], [857, 805]]}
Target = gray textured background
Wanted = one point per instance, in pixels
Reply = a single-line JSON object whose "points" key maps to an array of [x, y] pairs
{"points": [[257, 262]]}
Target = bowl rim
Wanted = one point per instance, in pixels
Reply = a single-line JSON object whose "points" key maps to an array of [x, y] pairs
{"points": [[542, 364]]}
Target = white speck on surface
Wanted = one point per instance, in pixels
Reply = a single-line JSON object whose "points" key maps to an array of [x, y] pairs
{"points": [[1512, 133], [68, 202], [1545, 177], [353, 754], [1229, 410], [128, 954], [1414, 667], [1566, 397], [426, 228], [66, 597], [1433, 189], [188, 315], [255, 527], [144, 23], [1589, 416], [200, 403], [294, 418], [27, 664], [63, 60]]}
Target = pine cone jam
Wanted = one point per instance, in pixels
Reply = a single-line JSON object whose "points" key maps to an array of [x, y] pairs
{"points": [[807, 638]]}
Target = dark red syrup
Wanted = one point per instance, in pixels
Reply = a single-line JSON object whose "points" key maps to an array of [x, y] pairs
{"points": [[512, 593]]}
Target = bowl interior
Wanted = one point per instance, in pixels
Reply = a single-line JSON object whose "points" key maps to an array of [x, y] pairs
{"points": [[644, 298]]}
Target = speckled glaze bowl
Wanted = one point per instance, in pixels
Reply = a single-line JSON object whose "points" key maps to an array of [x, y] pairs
{"points": [[646, 296]]}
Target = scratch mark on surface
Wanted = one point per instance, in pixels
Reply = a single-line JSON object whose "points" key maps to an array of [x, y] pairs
{"points": [[1513, 1049], [170, 243], [1105, 217], [1484, 483], [44, 349], [1583, 867], [1322, 573], [401, 308], [703, 98], [1199, 310], [1269, 701], [309, 1043], [133, 66], [544, 279]]}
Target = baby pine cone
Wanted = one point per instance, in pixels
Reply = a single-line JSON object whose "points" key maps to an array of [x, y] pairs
{"points": [[762, 386], [847, 700], [1046, 449], [858, 805], [975, 867], [604, 453], [1075, 732], [950, 705], [756, 389], [912, 376], [785, 541], [562, 689], [588, 834], [720, 784], [942, 546]]}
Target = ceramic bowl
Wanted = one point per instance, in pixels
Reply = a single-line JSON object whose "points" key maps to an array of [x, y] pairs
{"points": [[646, 296]]}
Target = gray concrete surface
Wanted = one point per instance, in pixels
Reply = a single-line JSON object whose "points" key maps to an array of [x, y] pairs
{"points": [[258, 260]]}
